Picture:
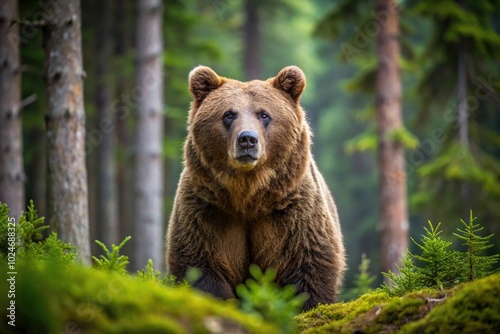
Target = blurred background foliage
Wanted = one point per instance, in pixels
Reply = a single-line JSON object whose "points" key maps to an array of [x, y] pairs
{"points": [[334, 43]]}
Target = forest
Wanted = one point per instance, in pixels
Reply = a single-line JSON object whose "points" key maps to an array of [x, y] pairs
{"points": [[403, 99]]}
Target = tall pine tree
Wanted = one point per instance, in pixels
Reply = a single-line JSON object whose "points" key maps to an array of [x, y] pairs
{"points": [[460, 97]]}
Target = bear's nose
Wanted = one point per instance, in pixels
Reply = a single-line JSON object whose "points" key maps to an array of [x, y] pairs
{"points": [[248, 139]]}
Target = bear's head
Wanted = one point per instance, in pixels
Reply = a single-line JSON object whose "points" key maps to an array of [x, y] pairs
{"points": [[249, 131]]}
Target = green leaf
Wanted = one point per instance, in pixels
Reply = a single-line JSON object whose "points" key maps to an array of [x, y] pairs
{"points": [[366, 141], [405, 137]]}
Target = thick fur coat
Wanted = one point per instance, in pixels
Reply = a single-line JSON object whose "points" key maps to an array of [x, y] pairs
{"points": [[250, 191]]}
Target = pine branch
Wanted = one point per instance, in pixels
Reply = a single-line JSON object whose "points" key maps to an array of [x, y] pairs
{"points": [[112, 260]]}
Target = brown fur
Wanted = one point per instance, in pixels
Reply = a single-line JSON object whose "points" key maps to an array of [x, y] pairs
{"points": [[275, 211]]}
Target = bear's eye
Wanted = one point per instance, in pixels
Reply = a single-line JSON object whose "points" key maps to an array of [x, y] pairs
{"points": [[265, 118], [228, 118]]}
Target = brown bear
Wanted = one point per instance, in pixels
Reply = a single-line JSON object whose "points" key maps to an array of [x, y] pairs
{"points": [[250, 191]]}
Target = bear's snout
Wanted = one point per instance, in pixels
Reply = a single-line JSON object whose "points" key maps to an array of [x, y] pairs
{"points": [[248, 139], [247, 150]]}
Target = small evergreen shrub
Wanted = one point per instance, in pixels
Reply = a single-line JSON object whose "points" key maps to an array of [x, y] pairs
{"points": [[112, 261], [407, 280], [477, 265], [150, 274], [438, 266], [363, 281], [30, 245]]}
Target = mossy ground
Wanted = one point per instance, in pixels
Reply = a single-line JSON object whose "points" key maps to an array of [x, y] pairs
{"points": [[55, 295], [74, 299], [468, 308], [327, 318]]}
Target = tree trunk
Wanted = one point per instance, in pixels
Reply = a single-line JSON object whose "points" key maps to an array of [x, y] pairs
{"points": [[106, 202], [148, 232], [123, 115], [252, 38], [37, 168], [65, 124], [392, 177], [11, 144], [93, 135]]}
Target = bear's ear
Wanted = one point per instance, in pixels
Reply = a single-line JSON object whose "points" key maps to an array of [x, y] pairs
{"points": [[203, 80], [291, 80]]}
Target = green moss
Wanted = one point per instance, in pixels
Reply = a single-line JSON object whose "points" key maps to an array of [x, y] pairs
{"points": [[392, 315], [326, 318], [470, 308], [403, 310], [53, 298], [54, 295]]}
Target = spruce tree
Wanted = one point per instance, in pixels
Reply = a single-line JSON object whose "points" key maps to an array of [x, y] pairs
{"points": [[440, 265], [408, 279], [478, 265]]}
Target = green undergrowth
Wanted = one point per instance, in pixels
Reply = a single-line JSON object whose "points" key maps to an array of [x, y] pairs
{"points": [[51, 298], [326, 318], [52, 293], [437, 290], [468, 308]]}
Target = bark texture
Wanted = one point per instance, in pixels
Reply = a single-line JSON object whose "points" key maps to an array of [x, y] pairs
{"points": [[11, 144], [391, 164], [148, 231], [65, 123], [252, 36], [106, 203], [123, 113]]}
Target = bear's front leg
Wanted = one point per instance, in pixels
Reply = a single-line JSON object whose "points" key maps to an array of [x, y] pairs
{"points": [[305, 255], [208, 240], [185, 252], [216, 286]]}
